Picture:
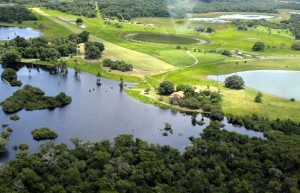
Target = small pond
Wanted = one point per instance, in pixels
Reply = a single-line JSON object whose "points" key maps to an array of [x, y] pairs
{"points": [[275, 82], [227, 18], [103, 113], [8, 33], [154, 38]]}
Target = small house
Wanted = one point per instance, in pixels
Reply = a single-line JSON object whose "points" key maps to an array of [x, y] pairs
{"points": [[176, 96]]}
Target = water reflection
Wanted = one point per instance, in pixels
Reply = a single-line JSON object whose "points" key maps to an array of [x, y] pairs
{"points": [[96, 113]]}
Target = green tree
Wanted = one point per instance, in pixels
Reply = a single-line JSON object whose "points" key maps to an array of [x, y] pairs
{"points": [[92, 52], [209, 30], [10, 57], [166, 88], [234, 82], [258, 46], [79, 21], [9, 74], [83, 37]]}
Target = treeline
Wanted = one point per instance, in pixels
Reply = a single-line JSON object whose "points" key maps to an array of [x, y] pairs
{"points": [[262, 124], [46, 50], [15, 13], [219, 161], [81, 8], [128, 9], [24, 2]]}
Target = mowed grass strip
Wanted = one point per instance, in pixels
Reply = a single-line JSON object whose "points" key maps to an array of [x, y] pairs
{"points": [[139, 60]]}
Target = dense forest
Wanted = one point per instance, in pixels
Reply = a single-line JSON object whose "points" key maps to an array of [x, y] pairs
{"points": [[48, 50], [128, 9], [218, 162], [160, 8], [15, 13], [24, 2], [81, 8]]}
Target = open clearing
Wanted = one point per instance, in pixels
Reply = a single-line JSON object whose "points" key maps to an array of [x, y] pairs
{"points": [[138, 60]]}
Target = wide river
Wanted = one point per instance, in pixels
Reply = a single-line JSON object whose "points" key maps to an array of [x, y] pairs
{"points": [[103, 113]]}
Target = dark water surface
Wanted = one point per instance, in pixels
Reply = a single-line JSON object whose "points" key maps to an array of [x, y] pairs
{"points": [[103, 113], [8, 33]]}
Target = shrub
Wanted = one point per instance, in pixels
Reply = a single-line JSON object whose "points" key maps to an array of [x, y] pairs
{"points": [[216, 114], [9, 129], [258, 97], [117, 65], [14, 118], [226, 53], [258, 46], [295, 46], [190, 102], [5, 134], [43, 133], [234, 82], [16, 83], [23, 146]]}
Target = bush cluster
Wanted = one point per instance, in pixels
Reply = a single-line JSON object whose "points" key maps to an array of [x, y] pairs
{"points": [[43, 133], [117, 65]]}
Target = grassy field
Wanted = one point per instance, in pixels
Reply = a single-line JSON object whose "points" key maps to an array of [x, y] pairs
{"points": [[138, 60], [164, 62]]}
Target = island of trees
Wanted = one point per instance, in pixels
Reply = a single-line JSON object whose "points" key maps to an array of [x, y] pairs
{"points": [[32, 98], [43, 133], [10, 76]]}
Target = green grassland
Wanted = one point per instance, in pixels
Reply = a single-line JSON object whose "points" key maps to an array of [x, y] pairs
{"points": [[191, 67]]}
